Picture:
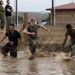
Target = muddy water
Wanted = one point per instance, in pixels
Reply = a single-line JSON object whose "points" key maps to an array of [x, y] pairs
{"points": [[38, 66]]}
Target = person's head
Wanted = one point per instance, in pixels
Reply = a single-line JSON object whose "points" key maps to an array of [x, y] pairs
{"points": [[12, 27], [1, 2], [8, 2], [32, 22], [68, 27]]}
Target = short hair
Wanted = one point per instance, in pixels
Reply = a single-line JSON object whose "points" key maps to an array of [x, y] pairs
{"points": [[68, 26], [12, 25], [32, 19], [7, 1]]}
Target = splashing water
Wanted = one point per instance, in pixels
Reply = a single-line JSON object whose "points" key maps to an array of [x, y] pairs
{"points": [[63, 57]]}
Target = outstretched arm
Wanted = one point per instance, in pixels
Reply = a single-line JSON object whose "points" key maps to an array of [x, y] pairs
{"points": [[45, 29], [3, 38], [26, 31]]}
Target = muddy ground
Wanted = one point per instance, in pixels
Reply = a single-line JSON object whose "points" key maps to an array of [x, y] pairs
{"points": [[45, 63]]}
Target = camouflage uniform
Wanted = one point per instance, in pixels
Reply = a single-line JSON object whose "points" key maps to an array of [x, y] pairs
{"points": [[1, 17], [33, 44], [33, 40]]}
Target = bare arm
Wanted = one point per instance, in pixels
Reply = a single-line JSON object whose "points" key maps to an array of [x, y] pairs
{"points": [[10, 10], [26, 31], [64, 42], [3, 38], [45, 29]]}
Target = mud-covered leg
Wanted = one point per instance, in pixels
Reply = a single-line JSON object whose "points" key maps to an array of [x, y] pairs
{"points": [[73, 52], [32, 47], [13, 52], [68, 47], [5, 50]]}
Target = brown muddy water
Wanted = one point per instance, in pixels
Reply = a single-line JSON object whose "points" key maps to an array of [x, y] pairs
{"points": [[38, 66]]}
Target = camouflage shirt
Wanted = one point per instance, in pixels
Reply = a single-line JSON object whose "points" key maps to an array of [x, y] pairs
{"points": [[33, 29]]}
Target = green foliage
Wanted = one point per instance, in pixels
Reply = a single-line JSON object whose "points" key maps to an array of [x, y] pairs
{"points": [[20, 19]]}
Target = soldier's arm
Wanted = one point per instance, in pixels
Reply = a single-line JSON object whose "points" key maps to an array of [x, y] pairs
{"points": [[8, 10], [45, 29], [3, 38], [64, 42], [27, 32]]}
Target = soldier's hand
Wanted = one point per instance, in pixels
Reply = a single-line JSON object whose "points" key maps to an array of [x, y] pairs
{"points": [[33, 34], [48, 30], [8, 10]]}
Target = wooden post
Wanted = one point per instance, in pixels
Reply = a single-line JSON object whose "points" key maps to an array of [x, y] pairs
{"points": [[53, 12], [16, 13], [25, 23]]}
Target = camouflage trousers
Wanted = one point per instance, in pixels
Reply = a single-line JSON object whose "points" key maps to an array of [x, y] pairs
{"points": [[8, 48], [32, 45], [2, 22], [68, 47]]}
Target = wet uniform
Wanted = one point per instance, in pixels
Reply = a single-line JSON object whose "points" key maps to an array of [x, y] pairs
{"points": [[72, 40], [1, 17], [12, 44], [33, 40]]}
